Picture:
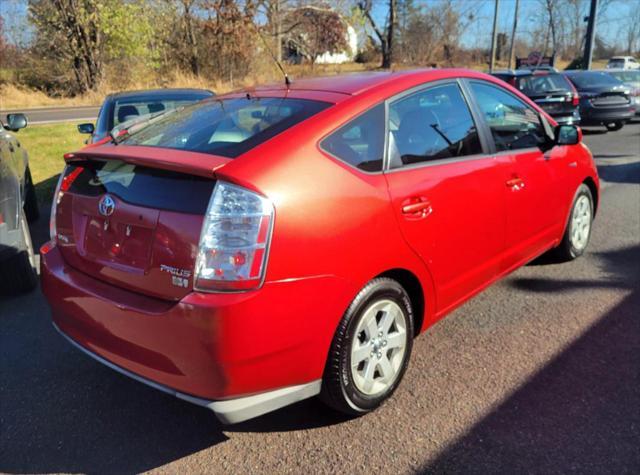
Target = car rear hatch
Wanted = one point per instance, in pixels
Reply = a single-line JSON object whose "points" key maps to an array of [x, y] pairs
{"points": [[132, 216]]}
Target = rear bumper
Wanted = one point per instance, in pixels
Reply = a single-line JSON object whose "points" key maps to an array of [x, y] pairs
{"points": [[240, 354], [230, 411], [598, 116]]}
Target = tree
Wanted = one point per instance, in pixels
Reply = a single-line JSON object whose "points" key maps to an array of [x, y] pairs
{"points": [[386, 35], [631, 32], [229, 32], [312, 31], [81, 36], [71, 30]]}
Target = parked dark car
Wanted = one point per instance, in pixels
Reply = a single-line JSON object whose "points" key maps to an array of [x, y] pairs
{"points": [[553, 92], [604, 100], [18, 205], [125, 106]]}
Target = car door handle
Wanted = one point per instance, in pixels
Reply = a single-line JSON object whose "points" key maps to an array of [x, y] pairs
{"points": [[515, 183], [416, 207]]}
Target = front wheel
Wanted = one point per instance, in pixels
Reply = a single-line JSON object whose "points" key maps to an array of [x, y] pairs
{"points": [[578, 232], [370, 350], [613, 126]]}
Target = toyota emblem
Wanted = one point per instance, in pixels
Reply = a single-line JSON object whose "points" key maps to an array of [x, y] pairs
{"points": [[106, 206]]}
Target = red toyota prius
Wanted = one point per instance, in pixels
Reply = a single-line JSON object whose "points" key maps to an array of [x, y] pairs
{"points": [[267, 246]]}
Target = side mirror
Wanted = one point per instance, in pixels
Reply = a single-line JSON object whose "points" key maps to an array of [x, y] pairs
{"points": [[16, 122], [86, 128], [567, 135]]}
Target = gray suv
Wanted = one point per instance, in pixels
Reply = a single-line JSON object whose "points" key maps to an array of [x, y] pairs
{"points": [[18, 206]]}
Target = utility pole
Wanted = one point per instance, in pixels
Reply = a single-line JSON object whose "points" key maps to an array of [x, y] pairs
{"points": [[513, 33], [493, 37], [591, 35]]}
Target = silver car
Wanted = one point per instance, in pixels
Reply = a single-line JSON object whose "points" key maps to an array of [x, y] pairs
{"points": [[18, 206]]}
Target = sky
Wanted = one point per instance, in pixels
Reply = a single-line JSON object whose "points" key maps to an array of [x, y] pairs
{"points": [[479, 34]]}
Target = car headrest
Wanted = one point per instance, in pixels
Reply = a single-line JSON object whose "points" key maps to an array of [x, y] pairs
{"points": [[127, 112]]}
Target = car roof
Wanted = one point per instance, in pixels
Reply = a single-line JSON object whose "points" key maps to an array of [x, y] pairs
{"points": [[159, 93], [621, 57], [352, 84]]}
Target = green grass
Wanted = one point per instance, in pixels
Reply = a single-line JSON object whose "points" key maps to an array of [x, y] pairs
{"points": [[46, 145]]}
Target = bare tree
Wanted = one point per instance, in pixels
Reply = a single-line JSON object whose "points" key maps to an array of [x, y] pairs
{"points": [[386, 35], [189, 34], [313, 31], [631, 35]]}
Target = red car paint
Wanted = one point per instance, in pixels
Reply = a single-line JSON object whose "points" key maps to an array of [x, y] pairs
{"points": [[453, 227]]}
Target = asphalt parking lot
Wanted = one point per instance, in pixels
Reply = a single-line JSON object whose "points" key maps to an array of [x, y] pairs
{"points": [[538, 374]]}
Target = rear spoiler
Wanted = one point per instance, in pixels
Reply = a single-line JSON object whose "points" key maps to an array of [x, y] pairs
{"points": [[194, 163]]}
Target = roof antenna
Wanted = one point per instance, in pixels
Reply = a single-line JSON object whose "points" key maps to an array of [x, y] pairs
{"points": [[287, 81]]}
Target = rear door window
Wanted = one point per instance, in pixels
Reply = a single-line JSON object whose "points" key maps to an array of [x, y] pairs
{"points": [[226, 127], [360, 143], [431, 124], [514, 125]]}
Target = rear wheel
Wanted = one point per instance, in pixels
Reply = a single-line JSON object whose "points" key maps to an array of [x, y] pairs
{"points": [[612, 126], [18, 273], [578, 232], [370, 350]]}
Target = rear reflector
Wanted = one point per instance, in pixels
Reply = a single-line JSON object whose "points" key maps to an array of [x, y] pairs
{"points": [[54, 203]]}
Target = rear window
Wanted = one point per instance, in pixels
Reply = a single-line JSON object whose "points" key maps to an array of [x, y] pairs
{"points": [[141, 186], [593, 79], [543, 84], [129, 108], [616, 63], [628, 75], [226, 127]]}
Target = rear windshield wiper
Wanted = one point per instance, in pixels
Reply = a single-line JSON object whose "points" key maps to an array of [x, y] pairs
{"points": [[130, 127]]}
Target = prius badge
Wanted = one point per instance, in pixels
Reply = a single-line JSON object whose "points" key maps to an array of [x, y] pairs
{"points": [[106, 205]]}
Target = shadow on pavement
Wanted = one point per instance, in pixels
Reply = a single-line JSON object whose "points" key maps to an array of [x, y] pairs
{"points": [[60, 411], [582, 409], [620, 173]]}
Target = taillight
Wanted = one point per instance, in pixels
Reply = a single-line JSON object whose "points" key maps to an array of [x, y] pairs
{"points": [[576, 99], [234, 242], [57, 196]]}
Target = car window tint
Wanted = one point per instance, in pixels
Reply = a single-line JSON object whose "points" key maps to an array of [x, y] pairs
{"points": [[514, 125], [360, 142], [431, 124], [226, 127]]}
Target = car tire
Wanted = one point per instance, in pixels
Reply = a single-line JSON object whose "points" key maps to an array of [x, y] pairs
{"points": [[613, 126], [18, 273], [30, 199], [578, 230], [377, 329]]}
